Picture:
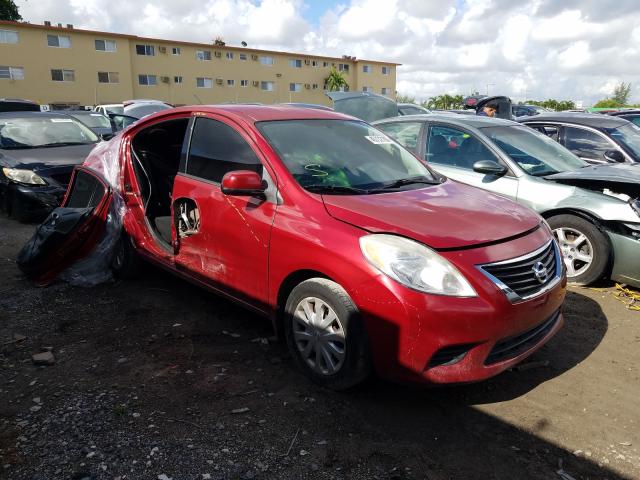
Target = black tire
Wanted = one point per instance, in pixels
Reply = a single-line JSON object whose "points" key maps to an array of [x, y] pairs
{"points": [[125, 262], [599, 246], [356, 364]]}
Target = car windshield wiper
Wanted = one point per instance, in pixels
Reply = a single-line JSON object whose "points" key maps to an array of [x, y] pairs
{"points": [[408, 181], [16, 147], [62, 144], [336, 189]]}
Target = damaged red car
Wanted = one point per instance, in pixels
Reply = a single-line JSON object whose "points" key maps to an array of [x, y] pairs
{"points": [[363, 256]]}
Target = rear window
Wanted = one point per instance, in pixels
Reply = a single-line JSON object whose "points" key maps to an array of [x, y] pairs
{"points": [[86, 191]]}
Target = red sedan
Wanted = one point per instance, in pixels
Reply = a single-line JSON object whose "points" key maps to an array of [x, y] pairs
{"points": [[364, 257]]}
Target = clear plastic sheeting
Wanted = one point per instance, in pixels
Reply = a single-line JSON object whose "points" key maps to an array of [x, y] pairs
{"points": [[95, 268]]}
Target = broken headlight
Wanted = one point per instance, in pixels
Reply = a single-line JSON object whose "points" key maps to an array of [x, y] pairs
{"points": [[635, 204], [23, 176]]}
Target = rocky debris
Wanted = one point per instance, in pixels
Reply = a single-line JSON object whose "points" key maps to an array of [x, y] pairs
{"points": [[43, 358]]}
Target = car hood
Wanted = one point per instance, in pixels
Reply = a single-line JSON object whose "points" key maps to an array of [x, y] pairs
{"points": [[445, 216], [41, 158], [621, 178]]}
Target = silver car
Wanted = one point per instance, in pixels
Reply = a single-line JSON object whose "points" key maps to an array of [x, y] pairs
{"points": [[593, 210]]}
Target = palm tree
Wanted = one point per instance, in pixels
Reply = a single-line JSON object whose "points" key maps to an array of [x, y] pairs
{"points": [[335, 81]]}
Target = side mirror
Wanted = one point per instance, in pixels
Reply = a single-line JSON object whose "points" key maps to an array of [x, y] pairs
{"points": [[614, 156], [242, 183], [490, 167], [107, 136]]}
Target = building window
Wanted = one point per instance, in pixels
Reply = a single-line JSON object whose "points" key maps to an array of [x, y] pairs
{"points": [[343, 67], [231, 83], [177, 79], [367, 89], [367, 69], [148, 50], [204, 82], [295, 87], [325, 64], [108, 77], [148, 80], [314, 86], [62, 75], [59, 41], [11, 73], [244, 83], [385, 91], [243, 56], [8, 36], [229, 55], [105, 45], [203, 55], [266, 86], [176, 51], [266, 60], [315, 63], [295, 63], [386, 70]]}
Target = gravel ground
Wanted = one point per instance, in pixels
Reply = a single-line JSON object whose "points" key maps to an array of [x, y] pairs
{"points": [[156, 379]]}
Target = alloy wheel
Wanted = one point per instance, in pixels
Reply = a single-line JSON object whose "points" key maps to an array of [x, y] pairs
{"points": [[319, 336], [576, 248]]}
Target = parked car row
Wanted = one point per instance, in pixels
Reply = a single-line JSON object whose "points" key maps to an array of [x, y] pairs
{"points": [[369, 247]]}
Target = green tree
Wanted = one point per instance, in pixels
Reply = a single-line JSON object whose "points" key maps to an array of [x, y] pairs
{"points": [[621, 93], [335, 81], [608, 103], [9, 11], [552, 104], [444, 102], [401, 98]]}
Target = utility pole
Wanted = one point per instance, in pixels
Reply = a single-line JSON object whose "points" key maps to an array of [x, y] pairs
{"points": [[489, 84]]}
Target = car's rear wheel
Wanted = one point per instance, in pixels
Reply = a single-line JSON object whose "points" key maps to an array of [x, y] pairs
{"points": [[585, 249], [125, 262], [325, 334]]}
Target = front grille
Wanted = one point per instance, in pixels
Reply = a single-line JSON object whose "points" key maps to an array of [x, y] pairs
{"points": [[511, 347], [450, 355], [523, 277]]}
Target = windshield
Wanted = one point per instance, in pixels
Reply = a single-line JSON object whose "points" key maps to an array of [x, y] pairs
{"points": [[343, 156], [139, 110], [533, 151], [93, 120], [36, 132], [367, 107], [117, 109], [629, 137]]}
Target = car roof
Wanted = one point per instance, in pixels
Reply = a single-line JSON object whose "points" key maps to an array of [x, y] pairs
{"points": [[477, 121], [34, 115], [594, 120], [630, 111], [259, 113]]}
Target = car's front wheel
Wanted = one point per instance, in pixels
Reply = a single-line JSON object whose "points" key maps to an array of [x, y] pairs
{"points": [[125, 262], [585, 249], [325, 334]]}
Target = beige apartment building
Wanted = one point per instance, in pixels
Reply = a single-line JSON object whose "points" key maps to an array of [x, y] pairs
{"points": [[64, 66]]}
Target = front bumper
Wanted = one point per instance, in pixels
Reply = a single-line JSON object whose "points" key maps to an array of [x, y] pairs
{"points": [[436, 339], [37, 200], [626, 259]]}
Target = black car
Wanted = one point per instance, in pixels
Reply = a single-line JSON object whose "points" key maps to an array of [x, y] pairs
{"points": [[18, 105], [37, 154], [592, 137], [633, 115], [96, 121], [528, 110]]}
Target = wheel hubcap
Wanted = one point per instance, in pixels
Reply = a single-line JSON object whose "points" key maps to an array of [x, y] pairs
{"points": [[319, 336], [576, 248]]}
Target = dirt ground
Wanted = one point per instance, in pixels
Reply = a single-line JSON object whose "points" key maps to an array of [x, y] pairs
{"points": [[156, 379]]}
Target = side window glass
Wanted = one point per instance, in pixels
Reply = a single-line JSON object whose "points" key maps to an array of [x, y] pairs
{"points": [[86, 191], [450, 146], [550, 131], [586, 144], [217, 149], [405, 133]]}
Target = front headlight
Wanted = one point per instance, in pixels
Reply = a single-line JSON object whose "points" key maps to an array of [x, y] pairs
{"points": [[23, 176], [414, 265]]}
